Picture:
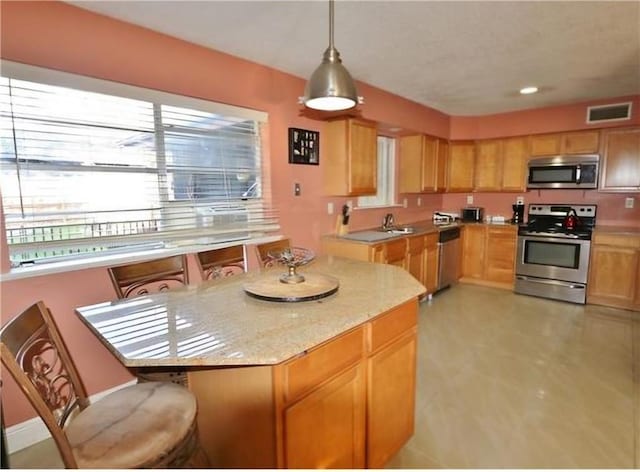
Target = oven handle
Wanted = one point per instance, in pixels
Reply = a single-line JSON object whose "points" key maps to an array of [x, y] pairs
{"points": [[551, 282]]}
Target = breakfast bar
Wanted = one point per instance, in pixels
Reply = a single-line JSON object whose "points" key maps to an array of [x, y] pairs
{"points": [[313, 384]]}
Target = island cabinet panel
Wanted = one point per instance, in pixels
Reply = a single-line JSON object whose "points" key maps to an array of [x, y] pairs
{"points": [[460, 166], [350, 160], [614, 271], [326, 429], [621, 160], [391, 383]]}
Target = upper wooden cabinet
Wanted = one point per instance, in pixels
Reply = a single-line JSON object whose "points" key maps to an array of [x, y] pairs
{"points": [[350, 166], [461, 166], [575, 142], [501, 164], [620, 160], [422, 164]]}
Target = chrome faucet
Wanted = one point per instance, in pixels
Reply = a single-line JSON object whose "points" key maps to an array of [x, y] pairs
{"points": [[387, 221]]}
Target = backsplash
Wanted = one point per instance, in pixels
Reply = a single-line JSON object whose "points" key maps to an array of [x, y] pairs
{"points": [[611, 206]]}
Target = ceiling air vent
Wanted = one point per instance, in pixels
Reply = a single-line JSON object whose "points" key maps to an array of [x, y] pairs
{"points": [[612, 112]]}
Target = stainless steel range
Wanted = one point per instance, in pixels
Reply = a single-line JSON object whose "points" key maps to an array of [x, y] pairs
{"points": [[553, 251]]}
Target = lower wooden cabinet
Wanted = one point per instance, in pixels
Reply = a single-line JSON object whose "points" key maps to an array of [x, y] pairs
{"points": [[325, 430], [348, 403], [432, 259], [614, 271], [488, 254]]}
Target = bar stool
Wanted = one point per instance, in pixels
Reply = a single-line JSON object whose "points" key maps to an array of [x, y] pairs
{"points": [[263, 250], [219, 263], [142, 278], [148, 425]]}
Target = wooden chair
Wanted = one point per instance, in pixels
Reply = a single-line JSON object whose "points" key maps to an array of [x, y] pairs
{"points": [[219, 263], [264, 249], [148, 425], [150, 276]]}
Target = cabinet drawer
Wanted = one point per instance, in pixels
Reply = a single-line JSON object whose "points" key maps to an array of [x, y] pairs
{"points": [[305, 372], [389, 326], [618, 240]]}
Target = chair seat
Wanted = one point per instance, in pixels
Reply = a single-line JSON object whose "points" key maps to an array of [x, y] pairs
{"points": [[134, 427]]}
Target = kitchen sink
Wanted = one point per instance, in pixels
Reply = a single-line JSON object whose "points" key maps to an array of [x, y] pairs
{"points": [[370, 236], [399, 230]]}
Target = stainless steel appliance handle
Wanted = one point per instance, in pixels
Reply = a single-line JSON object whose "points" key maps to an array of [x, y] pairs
{"points": [[578, 174], [551, 282]]}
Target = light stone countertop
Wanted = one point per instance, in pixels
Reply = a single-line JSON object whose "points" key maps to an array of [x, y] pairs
{"points": [[216, 323], [622, 230]]}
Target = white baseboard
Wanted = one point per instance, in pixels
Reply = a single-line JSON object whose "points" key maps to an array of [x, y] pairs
{"points": [[33, 430]]}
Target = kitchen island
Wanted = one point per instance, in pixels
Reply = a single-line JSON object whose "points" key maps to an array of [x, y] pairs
{"points": [[324, 383]]}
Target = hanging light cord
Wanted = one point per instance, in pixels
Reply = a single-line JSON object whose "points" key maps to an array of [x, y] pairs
{"points": [[331, 24]]}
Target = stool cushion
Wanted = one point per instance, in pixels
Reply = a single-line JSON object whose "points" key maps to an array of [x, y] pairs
{"points": [[132, 427]]}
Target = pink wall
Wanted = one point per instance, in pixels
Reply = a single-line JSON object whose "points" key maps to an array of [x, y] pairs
{"points": [[59, 36]]}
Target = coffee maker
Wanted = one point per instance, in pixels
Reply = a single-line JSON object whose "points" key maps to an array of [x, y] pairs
{"points": [[518, 213]]}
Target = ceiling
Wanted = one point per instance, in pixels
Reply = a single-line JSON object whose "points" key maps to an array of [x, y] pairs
{"points": [[462, 58]]}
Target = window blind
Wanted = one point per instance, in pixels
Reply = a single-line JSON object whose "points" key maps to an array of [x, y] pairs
{"points": [[84, 172]]}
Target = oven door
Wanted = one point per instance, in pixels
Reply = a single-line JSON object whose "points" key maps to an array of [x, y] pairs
{"points": [[553, 258]]}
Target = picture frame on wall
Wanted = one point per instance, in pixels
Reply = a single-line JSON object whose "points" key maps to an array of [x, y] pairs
{"points": [[304, 146]]}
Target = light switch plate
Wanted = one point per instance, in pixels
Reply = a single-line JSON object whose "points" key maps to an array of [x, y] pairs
{"points": [[330, 208], [469, 199], [629, 202], [405, 203], [520, 200], [419, 201]]}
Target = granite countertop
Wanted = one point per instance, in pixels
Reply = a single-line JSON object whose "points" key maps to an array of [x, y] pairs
{"points": [[216, 323]]}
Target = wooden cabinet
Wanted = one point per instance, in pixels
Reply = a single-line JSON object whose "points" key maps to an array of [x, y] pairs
{"points": [[326, 429], [460, 167], [614, 271], [575, 142], [501, 165], [488, 254], [431, 261], [350, 160], [620, 160], [415, 262], [422, 164], [391, 377], [396, 253]]}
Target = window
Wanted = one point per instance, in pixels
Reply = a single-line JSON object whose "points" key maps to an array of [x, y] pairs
{"points": [[84, 171], [386, 176]]}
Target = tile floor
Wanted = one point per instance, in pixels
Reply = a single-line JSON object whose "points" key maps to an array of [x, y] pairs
{"points": [[509, 381]]}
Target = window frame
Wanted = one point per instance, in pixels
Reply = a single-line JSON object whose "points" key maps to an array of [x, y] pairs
{"points": [[386, 176]]}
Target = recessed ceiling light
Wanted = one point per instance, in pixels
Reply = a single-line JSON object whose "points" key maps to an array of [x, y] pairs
{"points": [[528, 90]]}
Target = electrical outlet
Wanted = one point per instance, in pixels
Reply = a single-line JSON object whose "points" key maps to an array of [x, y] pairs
{"points": [[520, 200], [629, 202], [469, 199], [330, 208], [405, 203], [419, 201]]}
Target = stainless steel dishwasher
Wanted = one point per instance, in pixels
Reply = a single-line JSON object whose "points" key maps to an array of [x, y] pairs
{"points": [[448, 256]]}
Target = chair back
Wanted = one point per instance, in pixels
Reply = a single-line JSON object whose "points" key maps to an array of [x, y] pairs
{"points": [[264, 249], [37, 358], [223, 262], [146, 277]]}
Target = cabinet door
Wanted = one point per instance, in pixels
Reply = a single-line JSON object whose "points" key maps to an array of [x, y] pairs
{"points": [[410, 164], [363, 169], [514, 164], [621, 160], [473, 257], [637, 298], [416, 258], [430, 165], [501, 253], [326, 428], [396, 252], [431, 263], [443, 160], [546, 144], [390, 410], [581, 142], [378, 253], [488, 166], [460, 167], [612, 275]]}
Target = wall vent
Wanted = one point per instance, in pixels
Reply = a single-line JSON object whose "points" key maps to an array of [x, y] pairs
{"points": [[611, 112]]}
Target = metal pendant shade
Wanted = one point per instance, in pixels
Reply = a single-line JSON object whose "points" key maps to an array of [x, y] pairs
{"points": [[330, 87]]}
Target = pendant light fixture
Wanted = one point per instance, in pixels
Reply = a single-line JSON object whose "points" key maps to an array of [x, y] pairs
{"points": [[331, 87]]}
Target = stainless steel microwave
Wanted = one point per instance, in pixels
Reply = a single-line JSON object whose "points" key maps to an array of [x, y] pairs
{"points": [[579, 171]]}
